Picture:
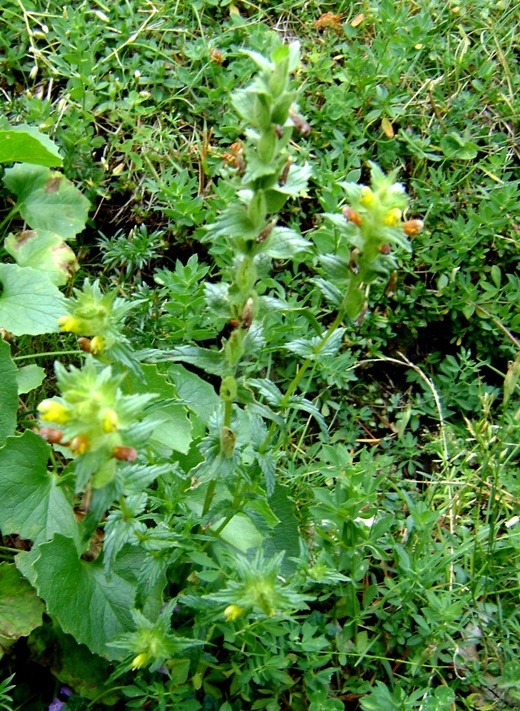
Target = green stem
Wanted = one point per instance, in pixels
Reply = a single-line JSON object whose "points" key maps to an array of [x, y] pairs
{"points": [[237, 508], [210, 493], [7, 549], [299, 375], [48, 354], [228, 409], [9, 217]]}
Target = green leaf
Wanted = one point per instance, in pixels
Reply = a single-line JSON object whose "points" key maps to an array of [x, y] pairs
{"points": [[47, 200], [196, 393], [20, 609], [8, 392], [89, 604], [285, 243], [285, 536], [211, 361], [29, 303], [455, 146], [172, 429], [33, 504], [154, 382], [233, 222], [26, 144], [308, 347], [44, 251], [242, 533], [29, 377]]}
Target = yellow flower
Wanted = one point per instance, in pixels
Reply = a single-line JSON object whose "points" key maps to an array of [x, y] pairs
{"points": [[139, 661], [367, 196], [52, 411], [393, 217], [70, 324], [97, 344], [110, 421], [232, 612]]}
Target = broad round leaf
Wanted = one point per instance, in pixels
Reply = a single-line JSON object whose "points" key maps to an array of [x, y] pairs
{"points": [[29, 303], [47, 200], [26, 144], [20, 609], [8, 392]]}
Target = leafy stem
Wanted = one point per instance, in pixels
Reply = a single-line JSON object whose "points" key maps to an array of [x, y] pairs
{"points": [[299, 375]]}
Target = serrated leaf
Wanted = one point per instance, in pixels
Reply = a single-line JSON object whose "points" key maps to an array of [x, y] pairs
{"points": [[26, 144], [306, 347], [267, 464], [33, 504], [233, 222], [213, 362], [8, 392], [196, 393], [262, 62], [29, 377], [87, 603], [20, 609], [44, 251], [242, 533], [285, 535], [285, 243], [29, 303], [47, 200], [154, 382], [172, 429], [297, 180]]}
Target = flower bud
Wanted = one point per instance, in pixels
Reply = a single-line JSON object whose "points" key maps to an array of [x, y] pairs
{"points": [[393, 217], [110, 421], [246, 317], [97, 344], [351, 215], [52, 411], [413, 227], [139, 661], [51, 434], [227, 441], [124, 454], [80, 444], [70, 324], [301, 125], [85, 344], [232, 612], [366, 197], [264, 234]]}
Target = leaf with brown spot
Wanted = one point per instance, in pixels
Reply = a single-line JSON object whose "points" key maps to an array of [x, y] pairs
{"points": [[47, 201], [44, 251], [53, 184]]}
